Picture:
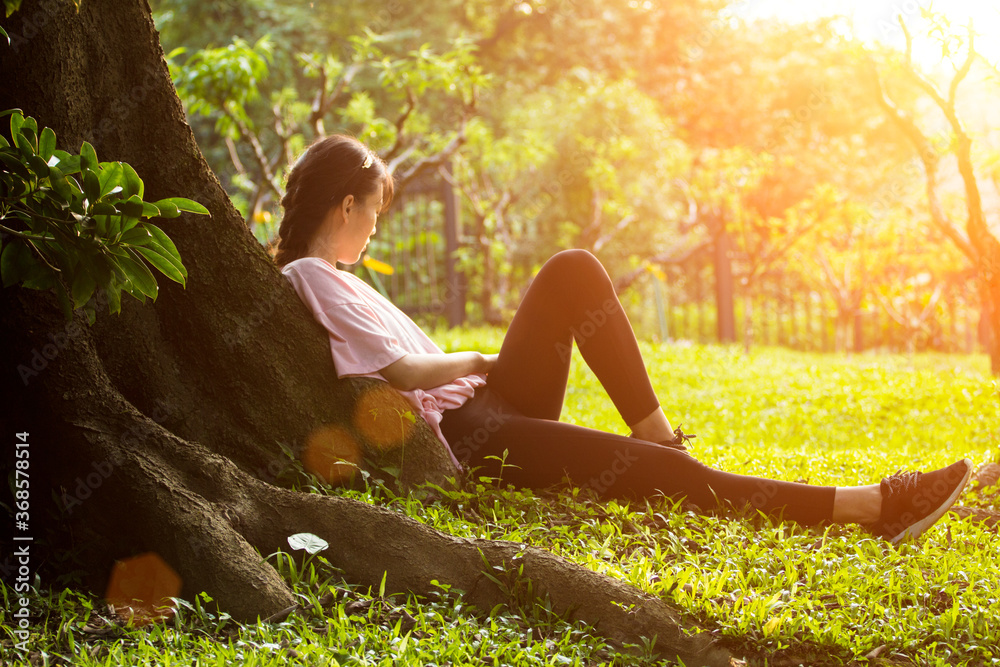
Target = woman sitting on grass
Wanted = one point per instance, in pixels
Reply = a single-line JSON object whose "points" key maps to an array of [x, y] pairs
{"points": [[485, 407]]}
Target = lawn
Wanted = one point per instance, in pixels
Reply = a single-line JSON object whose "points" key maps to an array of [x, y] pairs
{"points": [[773, 592]]}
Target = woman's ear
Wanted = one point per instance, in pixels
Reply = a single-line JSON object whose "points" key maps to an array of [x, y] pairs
{"points": [[346, 205]]}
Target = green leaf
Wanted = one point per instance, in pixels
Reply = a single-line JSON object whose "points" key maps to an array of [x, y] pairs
{"points": [[163, 245], [98, 266], [40, 277], [15, 165], [102, 221], [88, 157], [16, 120], [92, 188], [138, 273], [103, 208], [114, 299], [75, 187], [111, 175], [47, 143], [170, 255], [167, 209], [15, 262], [150, 210], [136, 236], [164, 241], [161, 262], [132, 182], [30, 135], [68, 164], [128, 222], [83, 287], [130, 287], [24, 145], [11, 6], [5, 35], [59, 184], [185, 205], [132, 207], [38, 166], [90, 310], [65, 303], [114, 227], [38, 274]]}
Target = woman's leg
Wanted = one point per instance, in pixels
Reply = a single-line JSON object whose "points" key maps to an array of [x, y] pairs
{"points": [[572, 298], [539, 453]]}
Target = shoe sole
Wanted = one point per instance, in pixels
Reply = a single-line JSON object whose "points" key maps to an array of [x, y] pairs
{"points": [[916, 529]]}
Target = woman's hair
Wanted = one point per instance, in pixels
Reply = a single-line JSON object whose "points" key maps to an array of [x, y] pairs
{"points": [[330, 169]]}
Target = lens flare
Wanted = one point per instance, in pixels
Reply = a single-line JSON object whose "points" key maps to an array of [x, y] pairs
{"points": [[384, 418], [140, 589], [332, 454]]}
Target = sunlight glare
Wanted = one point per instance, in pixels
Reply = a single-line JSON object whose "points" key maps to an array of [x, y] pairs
{"points": [[877, 21]]}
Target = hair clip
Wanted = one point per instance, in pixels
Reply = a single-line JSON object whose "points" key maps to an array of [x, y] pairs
{"points": [[369, 161]]}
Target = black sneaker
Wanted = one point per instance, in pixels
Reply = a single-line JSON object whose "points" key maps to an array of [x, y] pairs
{"points": [[913, 501]]}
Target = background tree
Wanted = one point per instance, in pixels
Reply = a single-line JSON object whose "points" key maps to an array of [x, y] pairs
{"points": [[976, 241]]}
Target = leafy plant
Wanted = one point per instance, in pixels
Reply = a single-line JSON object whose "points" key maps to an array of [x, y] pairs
{"points": [[75, 225], [225, 79], [11, 6]]}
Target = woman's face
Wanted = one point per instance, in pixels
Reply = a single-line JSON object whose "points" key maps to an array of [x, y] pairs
{"points": [[359, 226]]}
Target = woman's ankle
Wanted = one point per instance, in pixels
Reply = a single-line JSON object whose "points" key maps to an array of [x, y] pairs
{"points": [[655, 427], [857, 504]]}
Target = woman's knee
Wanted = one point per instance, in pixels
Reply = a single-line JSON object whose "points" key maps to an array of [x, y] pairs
{"points": [[575, 260], [577, 271]]}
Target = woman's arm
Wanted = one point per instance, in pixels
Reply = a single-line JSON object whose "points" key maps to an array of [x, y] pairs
{"points": [[425, 371]]}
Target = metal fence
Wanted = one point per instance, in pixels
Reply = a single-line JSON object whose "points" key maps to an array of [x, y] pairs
{"points": [[681, 305], [418, 238]]}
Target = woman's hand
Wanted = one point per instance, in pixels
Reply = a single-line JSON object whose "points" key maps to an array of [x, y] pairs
{"points": [[489, 361]]}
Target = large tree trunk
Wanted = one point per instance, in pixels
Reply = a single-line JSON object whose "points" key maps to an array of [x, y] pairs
{"points": [[159, 429]]}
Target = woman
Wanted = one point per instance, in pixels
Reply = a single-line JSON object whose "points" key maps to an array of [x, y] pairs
{"points": [[507, 405]]}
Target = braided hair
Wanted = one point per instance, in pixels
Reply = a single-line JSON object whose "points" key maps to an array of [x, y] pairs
{"points": [[330, 169]]}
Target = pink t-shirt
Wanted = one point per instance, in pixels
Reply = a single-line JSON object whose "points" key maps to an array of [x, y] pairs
{"points": [[367, 333]]}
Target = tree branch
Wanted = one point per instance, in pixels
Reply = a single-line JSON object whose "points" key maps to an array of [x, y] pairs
{"points": [[669, 258], [964, 69], [235, 157], [411, 104], [928, 157], [430, 161], [604, 239], [323, 101]]}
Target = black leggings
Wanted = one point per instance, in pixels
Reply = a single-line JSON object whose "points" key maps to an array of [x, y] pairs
{"points": [[572, 298]]}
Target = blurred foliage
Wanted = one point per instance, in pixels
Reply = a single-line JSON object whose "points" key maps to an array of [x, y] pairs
{"points": [[642, 131]]}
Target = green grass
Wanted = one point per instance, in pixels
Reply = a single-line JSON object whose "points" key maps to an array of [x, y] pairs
{"points": [[772, 591]]}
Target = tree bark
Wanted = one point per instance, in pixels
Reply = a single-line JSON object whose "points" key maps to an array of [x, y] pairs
{"points": [[159, 429]]}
